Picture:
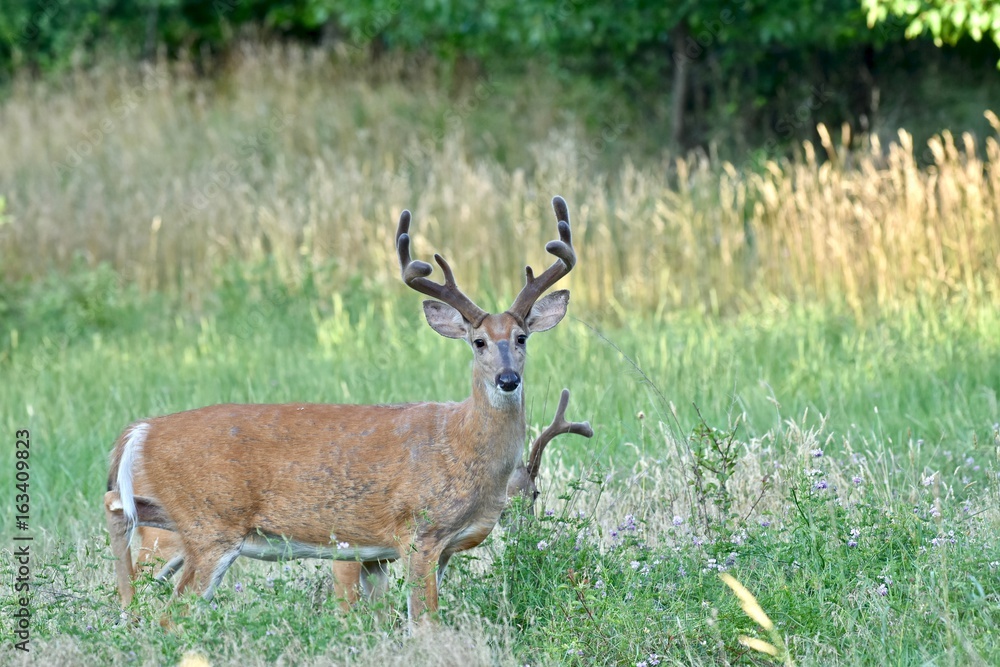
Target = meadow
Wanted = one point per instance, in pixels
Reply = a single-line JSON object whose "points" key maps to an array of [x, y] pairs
{"points": [[792, 365]]}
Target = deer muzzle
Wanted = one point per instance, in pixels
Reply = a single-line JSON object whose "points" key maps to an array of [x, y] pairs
{"points": [[508, 381]]}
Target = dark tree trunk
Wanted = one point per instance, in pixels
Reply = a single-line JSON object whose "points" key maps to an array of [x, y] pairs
{"points": [[149, 43], [678, 103]]}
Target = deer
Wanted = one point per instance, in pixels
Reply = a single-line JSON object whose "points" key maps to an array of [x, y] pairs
{"points": [[416, 482], [158, 540]]}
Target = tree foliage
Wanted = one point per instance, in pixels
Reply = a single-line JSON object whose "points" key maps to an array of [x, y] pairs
{"points": [[947, 21], [764, 65], [612, 36]]}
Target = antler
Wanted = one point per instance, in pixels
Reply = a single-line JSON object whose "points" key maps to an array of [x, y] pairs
{"points": [[558, 426], [563, 249], [415, 275]]}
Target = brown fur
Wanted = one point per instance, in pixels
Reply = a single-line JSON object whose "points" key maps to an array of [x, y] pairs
{"points": [[351, 578]]}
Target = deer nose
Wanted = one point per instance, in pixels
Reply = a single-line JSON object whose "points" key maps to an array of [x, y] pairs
{"points": [[508, 381]]}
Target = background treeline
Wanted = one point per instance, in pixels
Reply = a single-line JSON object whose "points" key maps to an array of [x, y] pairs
{"points": [[729, 74]]}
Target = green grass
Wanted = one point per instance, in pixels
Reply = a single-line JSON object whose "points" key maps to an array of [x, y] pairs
{"points": [[792, 368], [899, 403]]}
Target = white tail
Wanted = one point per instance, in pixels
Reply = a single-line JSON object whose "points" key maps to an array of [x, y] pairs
{"points": [[131, 449], [417, 482]]}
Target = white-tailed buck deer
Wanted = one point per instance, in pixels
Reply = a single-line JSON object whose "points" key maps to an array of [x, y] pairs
{"points": [[163, 543], [367, 483]]}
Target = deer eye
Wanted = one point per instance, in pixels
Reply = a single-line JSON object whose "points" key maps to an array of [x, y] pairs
{"points": [[522, 339], [479, 343]]}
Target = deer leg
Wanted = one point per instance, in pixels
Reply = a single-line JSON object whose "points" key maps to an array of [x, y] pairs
{"points": [[442, 565], [374, 578], [346, 582], [206, 562], [186, 581], [422, 578], [163, 544], [170, 569], [157, 543], [352, 580], [119, 529]]}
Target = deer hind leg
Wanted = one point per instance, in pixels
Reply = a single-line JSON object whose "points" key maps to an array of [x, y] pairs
{"points": [[163, 545], [206, 562], [119, 531], [157, 544], [150, 543], [170, 568]]}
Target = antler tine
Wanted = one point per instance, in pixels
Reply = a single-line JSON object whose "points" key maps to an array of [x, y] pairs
{"points": [[558, 426], [562, 249], [415, 272]]}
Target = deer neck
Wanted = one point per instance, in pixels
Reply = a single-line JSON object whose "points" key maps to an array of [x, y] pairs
{"points": [[499, 424]]}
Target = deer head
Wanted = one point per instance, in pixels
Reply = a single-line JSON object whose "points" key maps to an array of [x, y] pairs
{"points": [[498, 341]]}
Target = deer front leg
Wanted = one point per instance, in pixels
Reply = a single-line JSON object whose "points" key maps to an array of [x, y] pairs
{"points": [[442, 565], [374, 579], [421, 569], [353, 580], [347, 583]]}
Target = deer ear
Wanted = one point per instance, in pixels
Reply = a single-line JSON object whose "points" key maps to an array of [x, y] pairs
{"points": [[445, 320], [547, 311]]}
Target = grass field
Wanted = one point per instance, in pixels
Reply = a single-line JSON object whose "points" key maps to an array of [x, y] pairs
{"points": [[792, 367]]}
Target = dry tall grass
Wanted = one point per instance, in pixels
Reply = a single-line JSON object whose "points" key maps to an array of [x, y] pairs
{"points": [[302, 158]]}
